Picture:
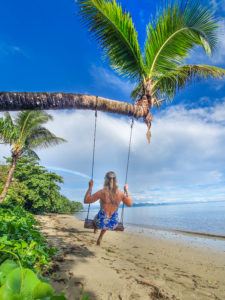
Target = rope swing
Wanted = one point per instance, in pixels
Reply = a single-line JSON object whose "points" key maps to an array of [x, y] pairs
{"points": [[93, 153], [89, 223], [128, 162]]}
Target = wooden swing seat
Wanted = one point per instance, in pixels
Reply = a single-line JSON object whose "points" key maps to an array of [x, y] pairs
{"points": [[89, 224]]}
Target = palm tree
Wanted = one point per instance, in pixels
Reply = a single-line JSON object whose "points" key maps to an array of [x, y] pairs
{"points": [[42, 100], [25, 134], [159, 71]]}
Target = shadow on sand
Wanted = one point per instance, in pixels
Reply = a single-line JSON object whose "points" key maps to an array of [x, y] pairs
{"points": [[71, 244]]}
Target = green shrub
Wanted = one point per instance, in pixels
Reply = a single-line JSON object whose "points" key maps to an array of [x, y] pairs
{"points": [[19, 234], [37, 189]]}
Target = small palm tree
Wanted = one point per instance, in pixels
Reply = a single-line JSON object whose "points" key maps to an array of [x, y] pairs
{"points": [[159, 70], [25, 134]]}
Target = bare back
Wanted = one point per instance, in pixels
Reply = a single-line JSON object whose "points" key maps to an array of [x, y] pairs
{"points": [[109, 201]]}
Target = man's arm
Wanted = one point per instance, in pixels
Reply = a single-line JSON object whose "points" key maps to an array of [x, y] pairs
{"points": [[88, 198], [126, 198]]}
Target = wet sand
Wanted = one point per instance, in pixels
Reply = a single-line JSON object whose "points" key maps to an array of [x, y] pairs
{"points": [[131, 266]]}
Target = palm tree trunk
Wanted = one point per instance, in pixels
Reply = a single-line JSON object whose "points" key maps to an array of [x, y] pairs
{"points": [[27, 100], [9, 179]]}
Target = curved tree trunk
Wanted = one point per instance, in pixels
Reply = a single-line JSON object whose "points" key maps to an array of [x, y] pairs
{"points": [[11, 101], [9, 179]]}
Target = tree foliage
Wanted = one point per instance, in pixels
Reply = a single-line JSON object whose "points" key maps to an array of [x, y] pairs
{"points": [[20, 235], [25, 133], [37, 189], [159, 71], [25, 257]]}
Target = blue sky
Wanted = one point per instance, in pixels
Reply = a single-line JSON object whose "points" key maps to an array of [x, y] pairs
{"points": [[44, 47]]}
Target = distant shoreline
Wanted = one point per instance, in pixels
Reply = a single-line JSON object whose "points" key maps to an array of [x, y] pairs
{"points": [[171, 230], [186, 219], [152, 204]]}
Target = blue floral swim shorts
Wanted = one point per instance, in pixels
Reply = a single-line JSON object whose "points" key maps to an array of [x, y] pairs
{"points": [[102, 221]]}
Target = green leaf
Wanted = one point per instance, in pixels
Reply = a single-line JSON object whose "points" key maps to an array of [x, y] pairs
{"points": [[5, 268], [172, 81], [85, 297], [22, 281], [115, 32], [58, 297], [8, 131], [13, 281], [6, 294], [42, 290], [176, 31]]}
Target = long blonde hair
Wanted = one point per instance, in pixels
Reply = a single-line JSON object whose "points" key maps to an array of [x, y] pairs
{"points": [[111, 182]]}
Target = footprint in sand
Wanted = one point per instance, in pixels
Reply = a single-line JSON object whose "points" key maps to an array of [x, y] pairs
{"points": [[106, 258], [134, 296]]}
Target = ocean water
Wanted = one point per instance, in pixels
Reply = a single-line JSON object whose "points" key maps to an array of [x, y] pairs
{"points": [[206, 218]]}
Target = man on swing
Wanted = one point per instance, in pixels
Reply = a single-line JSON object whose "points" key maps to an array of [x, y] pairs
{"points": [[110, 198]]}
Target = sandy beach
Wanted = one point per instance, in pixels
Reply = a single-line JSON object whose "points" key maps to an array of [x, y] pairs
{"points": [[130, 266]]}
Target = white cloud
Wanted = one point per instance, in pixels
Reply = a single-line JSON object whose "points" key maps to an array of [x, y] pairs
{"points": [[185, 160]]}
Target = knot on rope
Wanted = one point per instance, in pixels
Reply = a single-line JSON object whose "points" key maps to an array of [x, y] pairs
{"points": [[146, 104], [148, 120]]}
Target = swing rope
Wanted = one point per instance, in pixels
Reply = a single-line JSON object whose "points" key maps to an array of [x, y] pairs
{"points": [[94, 143], [128, 161], [93, 153]]}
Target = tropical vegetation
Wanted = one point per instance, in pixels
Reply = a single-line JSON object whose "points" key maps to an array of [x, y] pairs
{"points": [[25, 134], [25, 258], [20, 235], [159, 71], [25, 255], [36, 189]]}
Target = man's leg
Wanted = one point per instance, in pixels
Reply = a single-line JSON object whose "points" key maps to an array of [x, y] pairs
{"points": [[100, 237]]}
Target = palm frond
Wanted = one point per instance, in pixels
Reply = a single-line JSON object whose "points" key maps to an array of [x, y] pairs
{"points": [[176, 31], [8, 131], [116, 34], [8, 119], [26, 121], [30, 153], [169, 83], [42, 138]]}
